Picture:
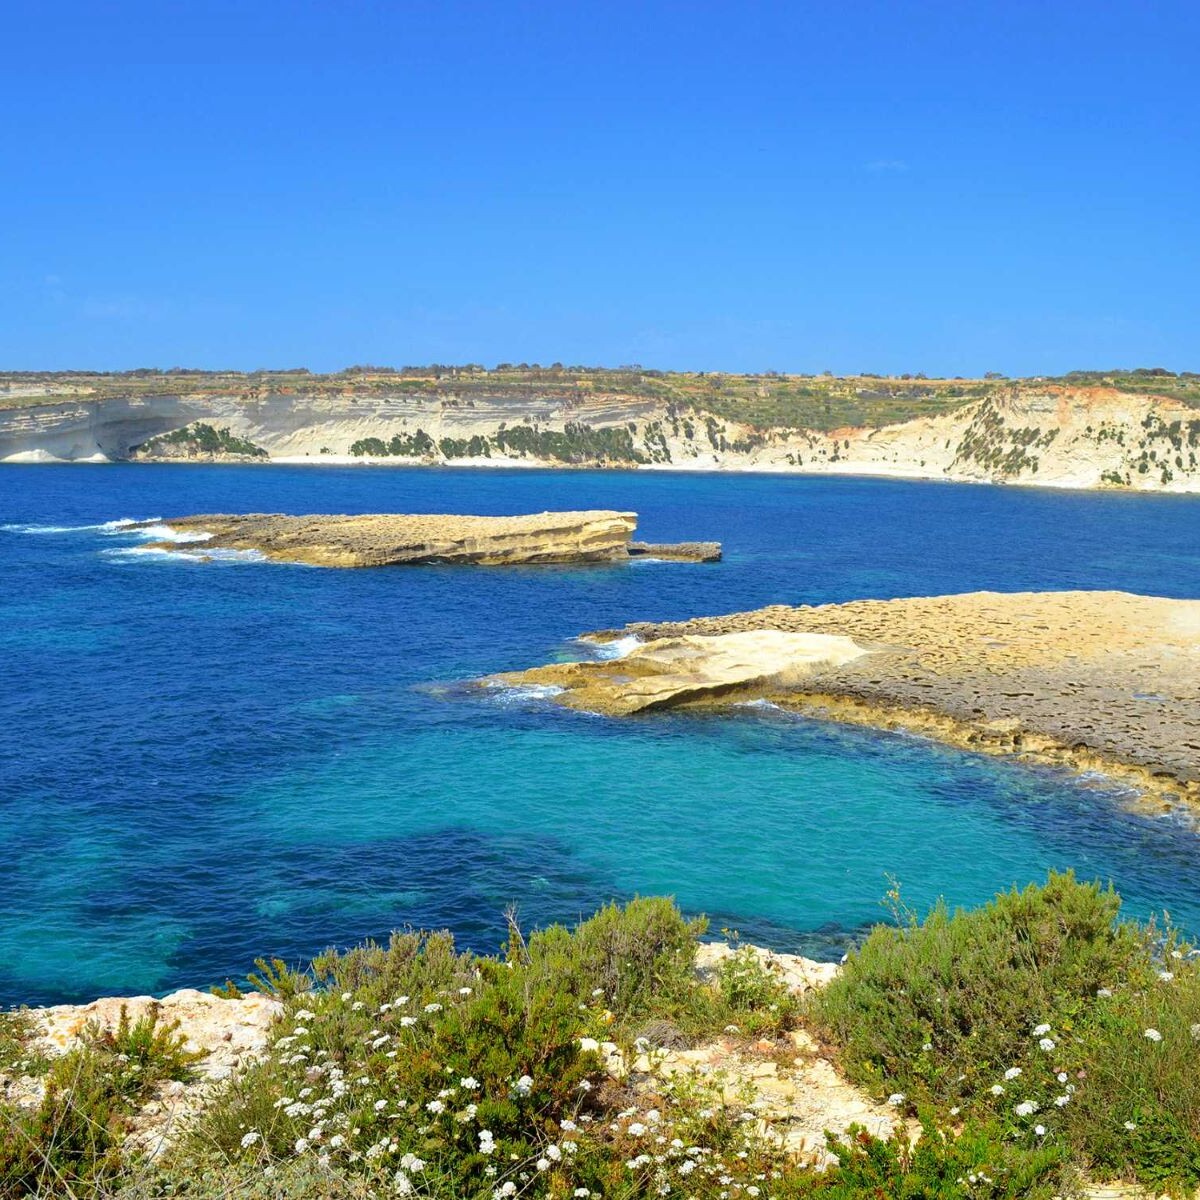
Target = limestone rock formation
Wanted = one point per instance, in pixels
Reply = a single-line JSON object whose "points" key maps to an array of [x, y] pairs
{"points": [[231, 1033], [678, 670], [1101, 681], [388, 539]]}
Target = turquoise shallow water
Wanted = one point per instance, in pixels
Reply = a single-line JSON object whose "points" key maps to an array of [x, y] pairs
{"points": [[201, 763]]}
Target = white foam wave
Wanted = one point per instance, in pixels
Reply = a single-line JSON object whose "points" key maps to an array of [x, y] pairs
{"points": [[121, 524], [760, 703], [165, 533], [105, 527], [619, 648], [523, 693], [165, 554]]}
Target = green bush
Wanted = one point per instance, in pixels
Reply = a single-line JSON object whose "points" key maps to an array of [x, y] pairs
{"points": [[458, 1074], [977, 1163], [936, 1010], [70, 1145], [1042, 1013]]}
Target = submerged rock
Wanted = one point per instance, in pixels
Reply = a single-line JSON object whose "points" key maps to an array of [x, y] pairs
{"points": [[677, 551]]}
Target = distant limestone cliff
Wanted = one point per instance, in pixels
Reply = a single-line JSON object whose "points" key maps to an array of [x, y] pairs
{"points": [[1138, 430]]}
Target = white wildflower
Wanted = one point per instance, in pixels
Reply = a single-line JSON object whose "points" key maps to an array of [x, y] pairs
{"points": [[543, 1164], [1041, 1030], [1103, 992], [1152, 1035], [1026, 1108], [1062, 1101], [1012, 1072], [301, 1145], [410, 1162], [434, 1007], [1046, 1044], [1166, 976], [896, 1098], [524, 1085], [435, 1107], [1130, 1126], [250, 1138], [1040, 1130], [406, 1022], [469, 1082], [587, 1043], [996, 1090]]}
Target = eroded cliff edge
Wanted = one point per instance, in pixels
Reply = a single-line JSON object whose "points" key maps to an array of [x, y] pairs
{"points": [[1069, 433], [1106, 681]]}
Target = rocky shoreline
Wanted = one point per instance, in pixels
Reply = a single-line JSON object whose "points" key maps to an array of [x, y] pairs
{"points": [[392, 539], [1098, 681]]}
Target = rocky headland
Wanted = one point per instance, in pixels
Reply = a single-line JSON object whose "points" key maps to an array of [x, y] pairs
{"points": [[1136, 429], [392, 539], [1100, 681]]}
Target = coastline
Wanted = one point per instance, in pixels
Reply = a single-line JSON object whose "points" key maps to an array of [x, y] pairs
{"points": [[1181, 487], [1098, 682]]}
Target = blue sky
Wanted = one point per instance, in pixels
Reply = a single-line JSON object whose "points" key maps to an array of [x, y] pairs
{"points": [[858, 186]]}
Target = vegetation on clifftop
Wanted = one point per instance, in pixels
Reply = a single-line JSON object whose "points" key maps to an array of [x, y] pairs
{"points": [[1036, 1039], [770, 400]]}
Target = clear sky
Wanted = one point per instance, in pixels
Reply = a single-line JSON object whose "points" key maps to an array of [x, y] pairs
{"points": [[846, 185]]}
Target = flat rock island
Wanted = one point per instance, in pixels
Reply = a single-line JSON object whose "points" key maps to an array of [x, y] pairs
{"points": [[1101, 681], [392, 539]]}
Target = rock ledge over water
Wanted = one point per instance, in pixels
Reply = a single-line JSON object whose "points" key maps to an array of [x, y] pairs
{"points": [[389, 539], [1100, 681]]}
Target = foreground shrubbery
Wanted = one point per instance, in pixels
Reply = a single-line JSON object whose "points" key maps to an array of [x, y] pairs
{"points": [[70, 1145], [1040, 1014], [1019, 1033]]}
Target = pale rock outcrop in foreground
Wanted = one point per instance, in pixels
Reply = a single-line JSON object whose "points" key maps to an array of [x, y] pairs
{"points": [[231, 1033], [792, 1090]]}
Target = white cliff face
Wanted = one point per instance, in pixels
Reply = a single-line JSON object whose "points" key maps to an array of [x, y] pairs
{"points": [[1061, 437]]}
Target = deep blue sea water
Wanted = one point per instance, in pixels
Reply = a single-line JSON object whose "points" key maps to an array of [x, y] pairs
{"points": [[200, 763]]}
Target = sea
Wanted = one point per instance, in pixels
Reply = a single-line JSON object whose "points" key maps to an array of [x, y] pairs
{"points": [[202, 762]]}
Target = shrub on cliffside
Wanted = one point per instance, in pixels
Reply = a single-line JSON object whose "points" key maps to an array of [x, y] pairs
{"points": [[1041, 1012]]}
